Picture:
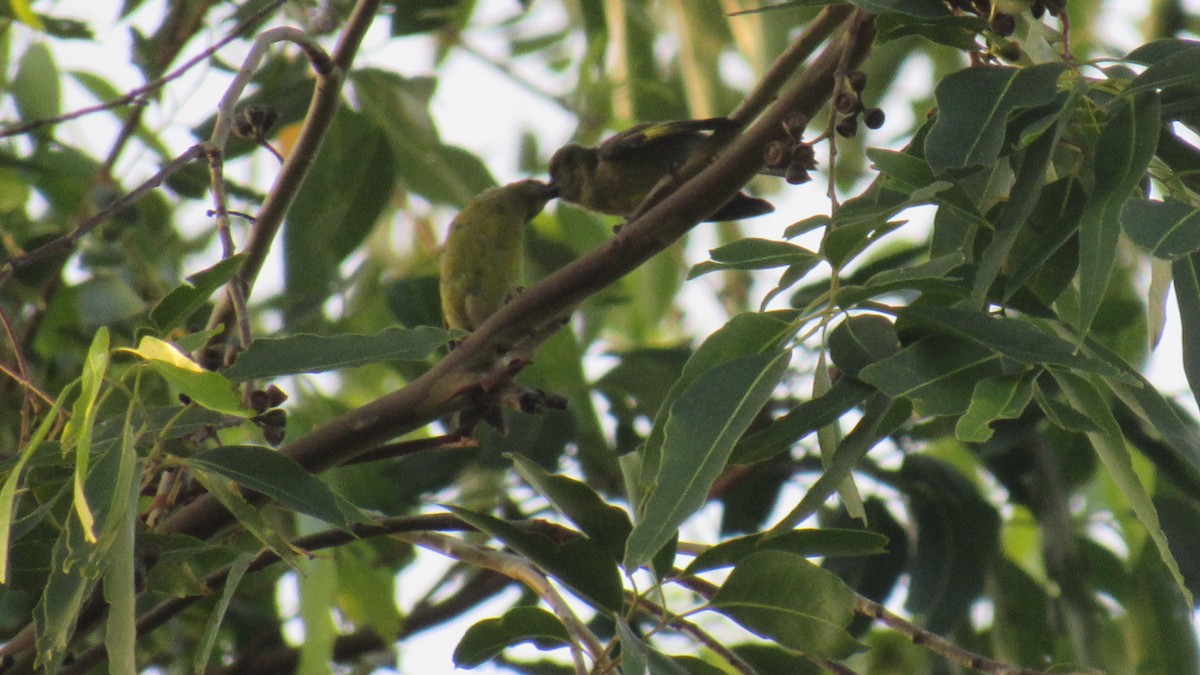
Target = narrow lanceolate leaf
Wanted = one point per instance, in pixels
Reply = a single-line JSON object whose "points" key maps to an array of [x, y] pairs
{"points": [[176, 306], [744, 335], [786, 598], [937, 373], [1186, 272], [120, 635], [606, 524], [78, 432], [208, 389], [273, 357], [8, 492], [698, 438], [881, 416], [237, 569], [973, 109], [1109, 444], [1022, 199], [755, 254], [274, 475], [801, 421], [225, 491], [826, 542], [1015, 338], [579, 563], [1123, 153], [1169, 229]]}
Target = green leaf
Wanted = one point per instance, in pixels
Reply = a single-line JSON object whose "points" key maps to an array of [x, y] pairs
{"points": [[78, 431], [1168, 229], [1172, 63], [486, 639], [583, 565], [862, 340], [1186, 273], [756, 254], [801, 421], [1109, 444], [79, 557], [211, 390], [345, 193], [1054, 220], [745, 334], [1022, 200], [1017, 339], [994, 398], [937, 373], [318, 593], [881, 416], [785, 598], [702, 426], [825, 542], [225, 492], [607, 525], [1123, 152], [304, 353], [974, 105], [935, 274], [35, 87], [8, 492], [396, 108], [120, 589], [1158, 617], [208, 640], [105, 299], [275, 475], [183, 301]]}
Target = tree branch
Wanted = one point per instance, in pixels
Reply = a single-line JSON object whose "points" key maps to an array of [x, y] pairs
{"points": [[325, 101]]}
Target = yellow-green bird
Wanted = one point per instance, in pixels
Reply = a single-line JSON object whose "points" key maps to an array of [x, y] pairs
{"points": [[616, 176], [482, 264]]}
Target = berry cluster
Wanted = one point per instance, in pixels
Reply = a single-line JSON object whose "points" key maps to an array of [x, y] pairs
{"points": [[1005, 24], [848, 102]]}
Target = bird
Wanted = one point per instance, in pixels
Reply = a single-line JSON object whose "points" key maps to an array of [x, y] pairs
{"points": [[615, 177], [481, 269], [482, 263]]}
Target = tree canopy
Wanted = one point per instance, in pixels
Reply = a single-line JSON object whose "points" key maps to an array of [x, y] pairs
{"points": [[900, 425]]}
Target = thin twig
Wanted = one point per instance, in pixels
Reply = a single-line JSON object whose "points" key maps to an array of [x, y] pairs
{"points": [[136, 94], [237, 288], [331, 72], [936, 643], [701, 636], [21, 376], [65, 242], [517, 568]]}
